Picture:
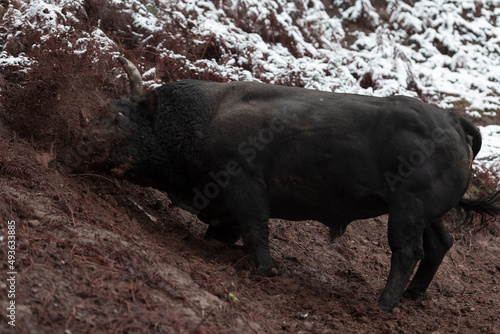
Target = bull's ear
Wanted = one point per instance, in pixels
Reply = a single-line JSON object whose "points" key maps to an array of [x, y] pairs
{"points": [[148, 104]]}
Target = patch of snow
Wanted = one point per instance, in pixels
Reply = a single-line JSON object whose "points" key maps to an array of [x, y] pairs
{"points": [[489, 155], [20, 61]]}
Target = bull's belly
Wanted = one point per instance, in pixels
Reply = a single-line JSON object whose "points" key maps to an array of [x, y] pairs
{"points": [[330, 210]]}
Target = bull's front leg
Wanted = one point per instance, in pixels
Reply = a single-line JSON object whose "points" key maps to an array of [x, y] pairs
{"points": [[405, 239], [256, 239], [246, 198]]}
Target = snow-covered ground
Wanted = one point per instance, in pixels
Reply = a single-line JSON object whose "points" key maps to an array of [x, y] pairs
{"points": [[489, 156], [442, 51]]}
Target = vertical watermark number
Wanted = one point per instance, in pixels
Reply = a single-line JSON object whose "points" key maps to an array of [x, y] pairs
{"points": [[11, 272]]}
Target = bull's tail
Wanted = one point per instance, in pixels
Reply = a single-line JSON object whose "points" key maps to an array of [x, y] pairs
{"points": [[472, 134], [488, 208]]}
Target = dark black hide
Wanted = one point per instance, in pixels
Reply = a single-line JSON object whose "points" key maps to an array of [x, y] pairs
{"points": [[240, 153]]}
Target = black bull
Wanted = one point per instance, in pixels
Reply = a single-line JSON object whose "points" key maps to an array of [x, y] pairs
{"points": [[240, 153]]}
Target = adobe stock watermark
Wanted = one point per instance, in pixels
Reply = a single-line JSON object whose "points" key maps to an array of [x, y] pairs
{"points": [[408, 165], [249, 149], [11, 272]]}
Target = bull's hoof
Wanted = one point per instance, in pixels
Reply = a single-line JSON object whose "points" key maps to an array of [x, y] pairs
{"points": [[387, 309], [273, 272], [268, 272], [387, 305], [411, 294]]}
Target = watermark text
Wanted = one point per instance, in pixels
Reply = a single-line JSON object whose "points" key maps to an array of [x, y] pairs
{"points": [[416, 158], [11, 272]]}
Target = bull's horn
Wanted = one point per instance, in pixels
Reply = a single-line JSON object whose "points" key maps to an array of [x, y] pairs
{"points": [[134, 77]]}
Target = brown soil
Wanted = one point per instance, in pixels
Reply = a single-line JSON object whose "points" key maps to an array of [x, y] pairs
{"points": [[97, 255]]}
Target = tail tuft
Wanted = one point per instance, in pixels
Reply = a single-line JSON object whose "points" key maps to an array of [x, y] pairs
{"points": [[488, 208]]}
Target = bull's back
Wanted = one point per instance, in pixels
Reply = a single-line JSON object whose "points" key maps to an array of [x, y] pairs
{"points": [[329, 155]]}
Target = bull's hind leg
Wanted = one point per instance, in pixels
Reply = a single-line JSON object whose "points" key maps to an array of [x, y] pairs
{"points": [[406, 225], [437, 242], [247, 200]]}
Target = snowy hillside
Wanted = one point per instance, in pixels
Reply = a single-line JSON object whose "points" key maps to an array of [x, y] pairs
{"points": [[444, 52]]}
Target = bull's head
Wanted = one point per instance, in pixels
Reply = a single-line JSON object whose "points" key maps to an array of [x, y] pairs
{"points": [[124, 142]]}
